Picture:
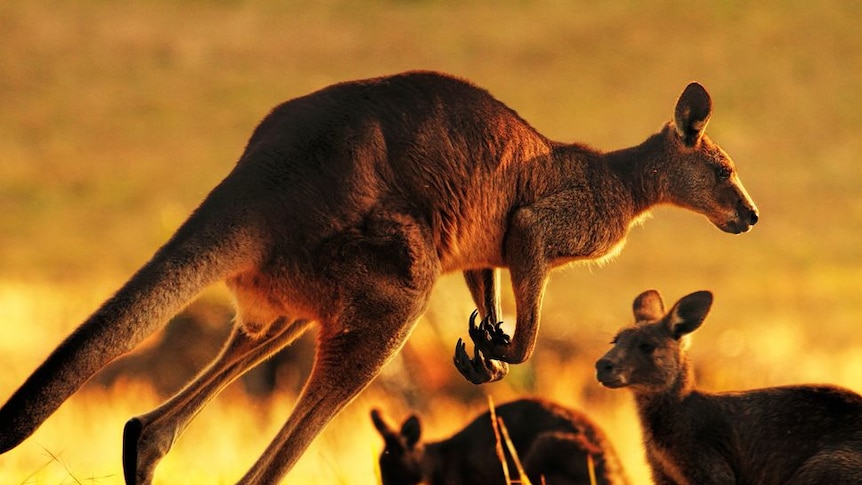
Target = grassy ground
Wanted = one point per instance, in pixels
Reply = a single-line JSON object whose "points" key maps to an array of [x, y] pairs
{"points": [[118, 117]]}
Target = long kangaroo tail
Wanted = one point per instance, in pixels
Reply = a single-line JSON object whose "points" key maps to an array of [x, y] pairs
{"points": [[203, 250]]}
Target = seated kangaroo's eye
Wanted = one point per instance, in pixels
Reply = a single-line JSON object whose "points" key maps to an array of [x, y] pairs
{"points": [[646, 348], [724, 172]]}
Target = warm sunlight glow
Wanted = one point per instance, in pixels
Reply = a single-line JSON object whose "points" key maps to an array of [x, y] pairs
{"points": [[119, 117]]}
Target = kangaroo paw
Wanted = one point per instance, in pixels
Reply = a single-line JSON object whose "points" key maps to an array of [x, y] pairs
{"points": [[487, 335], [478, 370]]}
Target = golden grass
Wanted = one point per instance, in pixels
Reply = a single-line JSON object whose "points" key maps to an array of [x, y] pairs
{"points": [[118, 117]]}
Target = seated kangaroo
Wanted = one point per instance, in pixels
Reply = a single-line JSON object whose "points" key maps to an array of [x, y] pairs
{"points": [[553, 443], [343, 210], [790, 435]]}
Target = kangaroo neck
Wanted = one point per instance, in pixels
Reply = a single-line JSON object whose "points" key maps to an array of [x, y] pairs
{"points": [[660, 411], [635, 174], [642, 169]]}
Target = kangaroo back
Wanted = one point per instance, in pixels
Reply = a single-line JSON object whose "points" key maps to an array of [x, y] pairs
{"points": [[194, 257], [553, 443]]}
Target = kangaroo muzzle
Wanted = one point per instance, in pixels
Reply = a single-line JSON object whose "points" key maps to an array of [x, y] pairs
{"points": [[747, 214], [607, 373]]}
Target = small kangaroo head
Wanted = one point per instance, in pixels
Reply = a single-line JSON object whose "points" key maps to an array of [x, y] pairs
{"points": [[702, 177], [650, 355], [401, 458]]}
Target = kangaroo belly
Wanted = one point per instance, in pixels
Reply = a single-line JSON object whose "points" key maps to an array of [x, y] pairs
{"points": [[261, 299]]}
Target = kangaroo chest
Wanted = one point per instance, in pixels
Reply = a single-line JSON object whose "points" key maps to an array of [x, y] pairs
{"points": [[598, 242]]}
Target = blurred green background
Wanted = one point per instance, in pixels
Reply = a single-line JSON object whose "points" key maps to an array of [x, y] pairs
{"points": [[118, 117]]}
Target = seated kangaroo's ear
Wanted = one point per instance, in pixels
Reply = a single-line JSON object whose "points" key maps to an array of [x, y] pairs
{"points": [[383, 427], [411, 431], [688, 313], [692, 113], [648, 306]]}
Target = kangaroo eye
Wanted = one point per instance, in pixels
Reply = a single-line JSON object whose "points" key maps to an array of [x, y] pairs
{"points": [[646, 348], [724, 172]]}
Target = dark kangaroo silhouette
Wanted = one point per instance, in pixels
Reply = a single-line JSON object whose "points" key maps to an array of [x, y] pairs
{"points": [[791, 435], [552, 442], [344, 208]]}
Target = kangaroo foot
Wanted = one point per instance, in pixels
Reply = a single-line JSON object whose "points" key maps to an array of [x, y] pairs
{"points": [[131, 435], [486, 336], [141, 452]]}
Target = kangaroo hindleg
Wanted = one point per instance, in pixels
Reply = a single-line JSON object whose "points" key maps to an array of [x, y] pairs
{"points": [[149, 437], [348, 360]]}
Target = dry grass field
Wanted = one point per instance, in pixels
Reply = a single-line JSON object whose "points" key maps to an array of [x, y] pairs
{"points": [[118, 117]]}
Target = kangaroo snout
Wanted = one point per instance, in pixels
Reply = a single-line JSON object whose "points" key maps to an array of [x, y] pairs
{"points": [[607, 375], [739, 219], [746, 216]]}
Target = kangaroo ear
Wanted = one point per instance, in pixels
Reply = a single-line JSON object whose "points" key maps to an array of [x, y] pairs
{"points": [[688, 313], [648, 306], [411, 430], [380, 423], [692, 113]]}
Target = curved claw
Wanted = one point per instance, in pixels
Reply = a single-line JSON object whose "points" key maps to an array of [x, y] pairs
{"points": [[487, 334], [498, 336], [473, 316], [478, 370]]}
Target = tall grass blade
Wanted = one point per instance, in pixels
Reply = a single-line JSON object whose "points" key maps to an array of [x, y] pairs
{"points": [[498, 443], [511, 447]]}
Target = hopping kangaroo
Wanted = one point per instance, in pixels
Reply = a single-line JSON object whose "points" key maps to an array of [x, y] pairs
{"points": [[792, 435], [552, 441], [344, 208]]}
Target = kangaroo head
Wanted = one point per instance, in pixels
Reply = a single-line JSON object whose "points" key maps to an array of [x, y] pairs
{"points": [[401, 458], [702, 177], [650, 355]]}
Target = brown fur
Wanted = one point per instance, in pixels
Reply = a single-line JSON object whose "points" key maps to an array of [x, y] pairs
{"points": [[792, 435], [552, 441], [343, 210], [168, 359]]}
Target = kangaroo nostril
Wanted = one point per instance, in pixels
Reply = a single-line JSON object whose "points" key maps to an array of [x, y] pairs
{"points": [[604, 365], [752, 217], [746, 213]]}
